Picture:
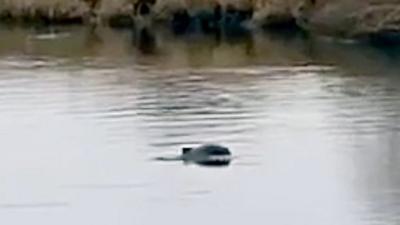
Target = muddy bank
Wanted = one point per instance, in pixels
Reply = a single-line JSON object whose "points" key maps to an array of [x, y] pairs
{"points": [[209, 13], [371, 20]]}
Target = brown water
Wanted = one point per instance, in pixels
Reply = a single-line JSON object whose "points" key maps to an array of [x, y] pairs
{"points": [[313, 124]]}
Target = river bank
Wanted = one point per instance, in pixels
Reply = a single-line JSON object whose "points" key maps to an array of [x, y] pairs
{"points": [[118, 12], [371, 20]]}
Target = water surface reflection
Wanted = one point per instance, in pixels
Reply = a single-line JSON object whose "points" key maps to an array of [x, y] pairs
{"points": [[313, 124]]}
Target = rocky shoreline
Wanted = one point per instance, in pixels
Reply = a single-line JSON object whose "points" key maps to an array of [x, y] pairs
{"points": [[371, 20]]}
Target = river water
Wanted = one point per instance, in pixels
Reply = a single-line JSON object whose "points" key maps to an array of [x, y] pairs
{"points": [[313, 124]]}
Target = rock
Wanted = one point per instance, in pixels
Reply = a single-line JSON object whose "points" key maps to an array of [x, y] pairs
{"points": [[360, 19], [274, 13], [374, 20], [37, 12], [260, 11]]}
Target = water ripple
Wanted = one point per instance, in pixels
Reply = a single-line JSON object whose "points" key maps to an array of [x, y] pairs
{"points": [[313, 127]]}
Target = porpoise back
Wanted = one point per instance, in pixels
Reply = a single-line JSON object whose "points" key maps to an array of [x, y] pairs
{"points": [[209, 149], [209, 154], [205, 155]]}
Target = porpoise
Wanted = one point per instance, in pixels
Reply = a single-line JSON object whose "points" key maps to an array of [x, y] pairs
{"points": [[207, 155]]}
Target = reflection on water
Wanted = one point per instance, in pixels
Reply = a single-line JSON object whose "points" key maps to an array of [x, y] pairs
{"points": [[34, 205], [313, 124], [144, 40]]}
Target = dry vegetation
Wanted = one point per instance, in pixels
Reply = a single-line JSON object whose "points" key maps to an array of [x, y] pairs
{"points": [[36, 9], [75, 9], [345, 18]]}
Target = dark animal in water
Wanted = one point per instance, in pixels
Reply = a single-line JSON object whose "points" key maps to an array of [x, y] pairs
{"points": [[206, 155]]}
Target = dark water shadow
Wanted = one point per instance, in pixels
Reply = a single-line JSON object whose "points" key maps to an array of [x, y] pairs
{"points": [[145, 40], [204, 163], [213, 164]]}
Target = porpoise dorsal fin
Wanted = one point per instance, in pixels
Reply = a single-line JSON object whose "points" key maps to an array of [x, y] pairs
{"points": [[186, 150]]}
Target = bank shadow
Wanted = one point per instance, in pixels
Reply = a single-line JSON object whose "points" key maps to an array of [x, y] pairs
{"points": [[144, 39]]}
